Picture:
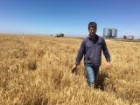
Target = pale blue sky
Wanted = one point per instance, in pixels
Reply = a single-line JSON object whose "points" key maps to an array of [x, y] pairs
{"points": [[69, 16]]}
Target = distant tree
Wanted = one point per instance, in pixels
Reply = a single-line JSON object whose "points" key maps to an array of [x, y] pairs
{"points": [[60, 35]]}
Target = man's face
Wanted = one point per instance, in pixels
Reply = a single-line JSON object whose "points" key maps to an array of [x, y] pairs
{"points": [[92, 30]]}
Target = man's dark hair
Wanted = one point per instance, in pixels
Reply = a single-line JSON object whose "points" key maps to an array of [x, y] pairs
{"points": [[91, 24]]}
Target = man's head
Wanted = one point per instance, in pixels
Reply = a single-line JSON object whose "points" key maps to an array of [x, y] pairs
{"points": [[92, 27]]}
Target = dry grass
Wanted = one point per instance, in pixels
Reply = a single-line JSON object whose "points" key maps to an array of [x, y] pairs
{"points": [[35, 70]]}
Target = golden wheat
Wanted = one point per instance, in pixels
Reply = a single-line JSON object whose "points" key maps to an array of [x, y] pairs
{"points": [[35, 70]]}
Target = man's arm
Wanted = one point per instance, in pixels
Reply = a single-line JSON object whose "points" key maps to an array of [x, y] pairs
{"points": [[107, 55], [79, 56], [80, 53], [105, 51]]}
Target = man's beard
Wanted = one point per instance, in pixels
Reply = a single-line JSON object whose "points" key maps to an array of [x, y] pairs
{"points": [[92, 34]]}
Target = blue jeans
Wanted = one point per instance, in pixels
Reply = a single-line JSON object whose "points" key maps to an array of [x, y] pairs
{"points": [[91, 73]]}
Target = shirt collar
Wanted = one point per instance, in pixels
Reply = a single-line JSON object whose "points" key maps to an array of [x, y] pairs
{"points": [[97, 38]]}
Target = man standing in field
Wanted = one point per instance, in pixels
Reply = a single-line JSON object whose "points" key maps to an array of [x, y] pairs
{"points": [[91, 47]]}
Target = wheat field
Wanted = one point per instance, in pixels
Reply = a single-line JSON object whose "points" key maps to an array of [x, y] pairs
{"points": [[36, 70]]}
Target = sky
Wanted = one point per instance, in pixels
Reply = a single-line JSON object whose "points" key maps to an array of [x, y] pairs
{"points": [[70, 17]]}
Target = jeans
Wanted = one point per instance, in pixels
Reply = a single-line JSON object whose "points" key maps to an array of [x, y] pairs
{"points": [[91, 73]]}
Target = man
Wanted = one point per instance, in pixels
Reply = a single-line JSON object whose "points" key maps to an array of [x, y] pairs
{"points": [[91, 47]]}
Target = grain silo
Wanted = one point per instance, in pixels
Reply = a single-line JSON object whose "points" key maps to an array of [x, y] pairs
{"points": [[114, 32], [107, 32]]}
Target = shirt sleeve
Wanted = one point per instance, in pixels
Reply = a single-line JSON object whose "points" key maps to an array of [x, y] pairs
{"points": [[105, 51], [80, 53]]}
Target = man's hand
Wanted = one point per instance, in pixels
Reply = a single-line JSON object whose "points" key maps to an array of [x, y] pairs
{"points": [[109, 65], [74, 68]]}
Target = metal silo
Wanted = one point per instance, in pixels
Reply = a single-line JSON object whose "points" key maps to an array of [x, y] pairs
{"points": [[107, 32], [114, 32]]}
